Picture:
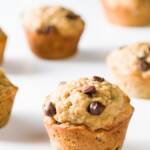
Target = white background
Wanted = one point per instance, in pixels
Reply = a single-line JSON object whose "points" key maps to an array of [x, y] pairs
{"points": [[36, 77]]}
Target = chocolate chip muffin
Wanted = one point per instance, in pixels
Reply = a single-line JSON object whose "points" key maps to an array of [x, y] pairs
{"points": [[7, 95], [128, 12], [89, 113], [3, 39], [53, 32], [130, 67]]}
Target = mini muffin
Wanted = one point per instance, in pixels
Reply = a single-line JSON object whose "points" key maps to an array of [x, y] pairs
{"points": [[128, 12], [86, 114], [130, 67], [3, 39], [53, 32], [7, 95]]}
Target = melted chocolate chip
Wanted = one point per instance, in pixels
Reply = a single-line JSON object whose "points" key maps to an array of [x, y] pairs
{"points": [[50, 109], [143, 65], [58, 123], [96, 108], [97, 78], [72, 16], [89, 90], [46, 30]]}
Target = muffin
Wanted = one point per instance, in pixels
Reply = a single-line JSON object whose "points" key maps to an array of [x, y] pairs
{"points": [[53, 32], [130, 67], [3, 39], [128, 12], [86, 114], [7, 95]]}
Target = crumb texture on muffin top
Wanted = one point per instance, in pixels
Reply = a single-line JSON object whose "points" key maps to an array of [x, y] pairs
{"points": [[64, 20], [132, 59], [92, 102]]}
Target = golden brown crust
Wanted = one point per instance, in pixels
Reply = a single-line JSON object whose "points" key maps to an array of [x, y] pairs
{"points": [[7, 95], [52, 46], [3, 39], [128, 16], [80, 137]]}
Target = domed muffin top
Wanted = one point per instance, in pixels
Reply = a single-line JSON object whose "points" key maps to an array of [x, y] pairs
{"points": [[132, 59], [92, 102], [53, 18]]}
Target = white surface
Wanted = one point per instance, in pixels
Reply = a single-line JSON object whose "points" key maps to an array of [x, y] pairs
{"points": [[35, 77]]}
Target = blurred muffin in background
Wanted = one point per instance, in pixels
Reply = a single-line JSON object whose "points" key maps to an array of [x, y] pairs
{"points": [[7, 95], [53, 32], [87, 114], [130, 67], [128, 12], [3, 39]]}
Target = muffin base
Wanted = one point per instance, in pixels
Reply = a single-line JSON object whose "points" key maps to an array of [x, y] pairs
{"points": [[124, 16], [52, 45], [81, 138]]}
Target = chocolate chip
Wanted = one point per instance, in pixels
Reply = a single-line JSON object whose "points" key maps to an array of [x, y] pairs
{"points": [[117, 148], [72, 16], [97, 78], [89, 90], [143, 65], [46, 30], [96, 108], [50, 109], [58, 123]]}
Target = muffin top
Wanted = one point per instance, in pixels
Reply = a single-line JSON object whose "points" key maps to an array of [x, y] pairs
{"points": [[50, 18], [92, 102], [7, 89], [132, 59]]}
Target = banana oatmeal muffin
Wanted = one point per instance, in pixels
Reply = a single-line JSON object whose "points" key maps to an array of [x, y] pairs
{"points": [[3, 39], [130, 67], [128, 12], [86, 114], [7, 95], [53, 32]]}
